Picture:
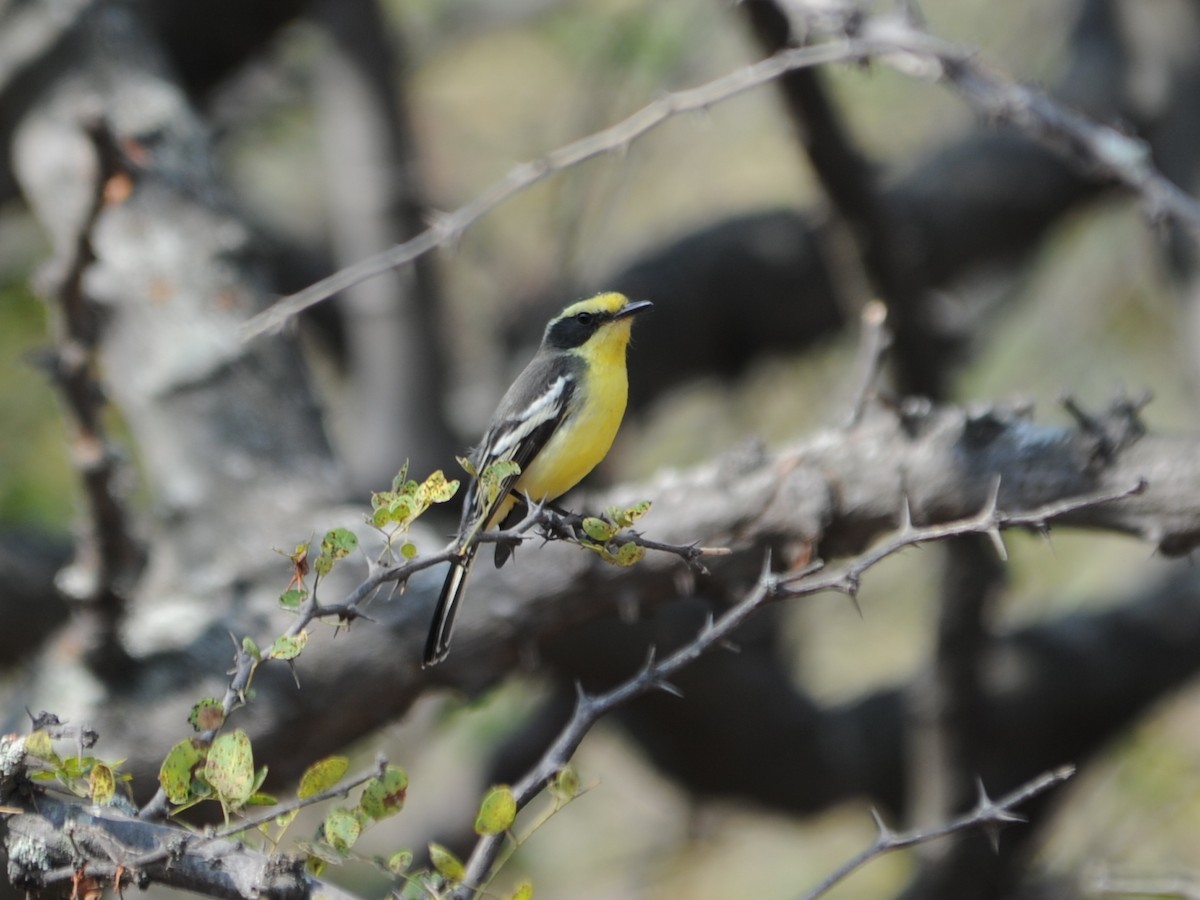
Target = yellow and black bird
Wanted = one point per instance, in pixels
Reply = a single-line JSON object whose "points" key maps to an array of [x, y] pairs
{"points": [[556, 422]]}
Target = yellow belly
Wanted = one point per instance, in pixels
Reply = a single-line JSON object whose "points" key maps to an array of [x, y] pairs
{"points": [[574, 450]]}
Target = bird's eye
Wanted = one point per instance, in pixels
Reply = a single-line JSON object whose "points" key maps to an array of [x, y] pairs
{"points": [[584, 318]]}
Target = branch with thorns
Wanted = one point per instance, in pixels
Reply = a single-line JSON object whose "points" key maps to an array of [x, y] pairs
{"points": [[656, 674], [988, 814]]}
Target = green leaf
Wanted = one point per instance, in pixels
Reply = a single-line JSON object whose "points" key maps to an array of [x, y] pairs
{"points": [[175, 774], [402, 510], [251, 649], [467, 465], [497, 812], [420, 886], [337, 543], [288, 646], [341, 829], [598, 530], [566, 784], [207, 715], [447, 863], [384, 796], [399, 862], [322, 775], [102, 785], [292, 598], [524, 891], [230, 768], [260, 799], [628, 554]]}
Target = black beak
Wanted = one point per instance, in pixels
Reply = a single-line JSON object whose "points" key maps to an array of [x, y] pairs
{"points": [[632, 308]]}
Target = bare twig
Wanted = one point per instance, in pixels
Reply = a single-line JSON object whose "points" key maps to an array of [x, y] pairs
{"points": [[988, 814], [618, 137], [107, 556], [872, 345]]}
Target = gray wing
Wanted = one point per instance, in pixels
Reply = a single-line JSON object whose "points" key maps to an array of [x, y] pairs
{"points": [[530, 412]]}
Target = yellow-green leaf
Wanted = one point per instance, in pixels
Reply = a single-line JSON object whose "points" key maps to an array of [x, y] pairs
{"points": [[566, 784], [401, 477], [288, 646], [408, 550], [447, 863], [628, 554], [175, 774], [251, 649], [230, 767], [467, 465], [626, 517], [497, 812], [399, 862], [524, 891], [341, 829], [322, 775], [437, 489], [598, 530], [102, 785], [491, 479], [39, 746], [207, 715], [384, 796]]}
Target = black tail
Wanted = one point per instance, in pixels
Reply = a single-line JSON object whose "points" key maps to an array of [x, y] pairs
{"points": [[437, 645]]}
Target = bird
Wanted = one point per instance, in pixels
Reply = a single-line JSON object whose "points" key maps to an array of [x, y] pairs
{"points": [[557, 421]]}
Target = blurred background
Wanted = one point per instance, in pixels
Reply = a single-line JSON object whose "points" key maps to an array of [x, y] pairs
{"points": [[340, 129]]}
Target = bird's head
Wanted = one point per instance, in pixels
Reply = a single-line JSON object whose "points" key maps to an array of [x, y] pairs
{"points": [[605, 318]]}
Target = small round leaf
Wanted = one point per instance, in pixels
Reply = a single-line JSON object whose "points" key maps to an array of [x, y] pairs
{"points": [[384, 796], [322, 775], [497, 812], [447, 863]]}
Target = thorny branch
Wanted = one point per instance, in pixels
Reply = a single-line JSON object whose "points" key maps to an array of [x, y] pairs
{"points": [[988, 814], [656, 674], [893, 41]]}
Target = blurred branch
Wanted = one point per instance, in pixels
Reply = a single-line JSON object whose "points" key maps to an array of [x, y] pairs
{"points": [[924, 356], [108, 558], [874, 341], [449, 227], [375, 190], [887, 40], [1167, 887]]}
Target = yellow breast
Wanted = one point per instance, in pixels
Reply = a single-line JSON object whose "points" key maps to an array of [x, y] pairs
{"points": [[590, 427]]}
